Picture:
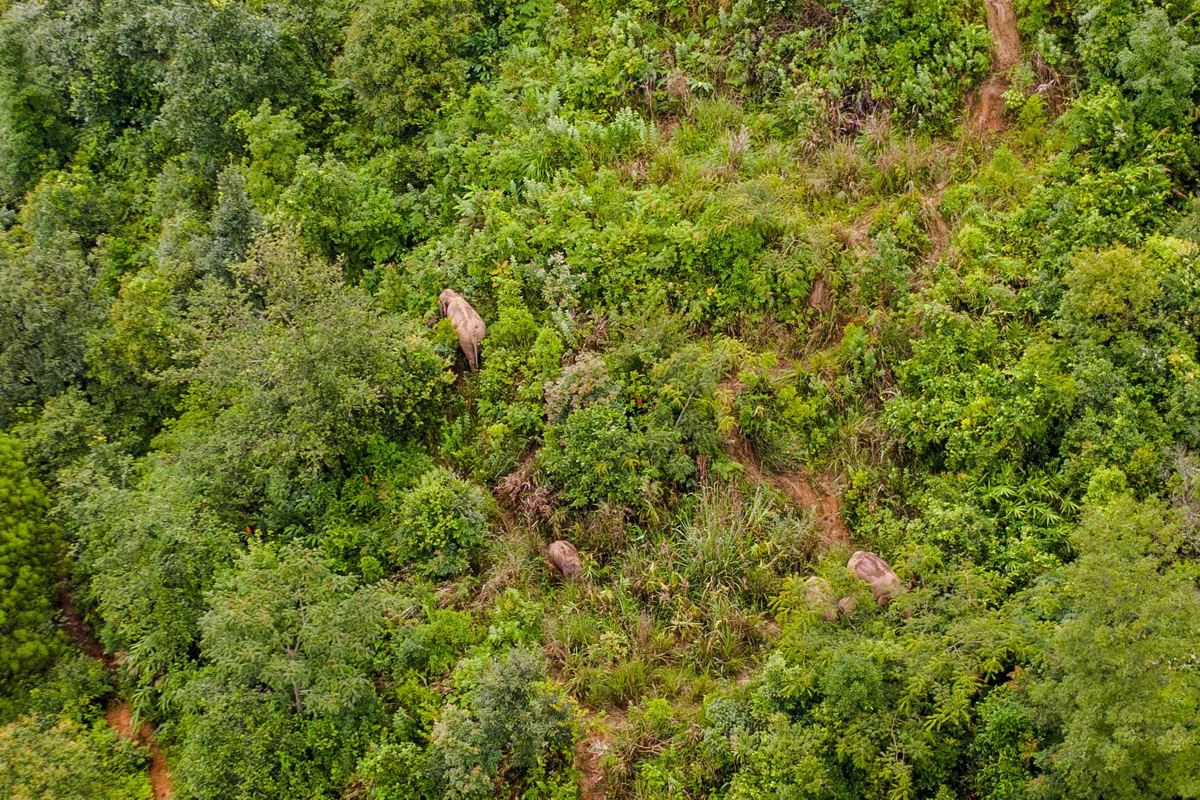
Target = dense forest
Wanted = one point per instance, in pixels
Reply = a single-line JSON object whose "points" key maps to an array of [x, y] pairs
{"points": [[765, 283]]}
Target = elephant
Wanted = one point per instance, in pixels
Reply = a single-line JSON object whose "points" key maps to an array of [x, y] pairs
{"points": [[876, 572], [565, 558], [466, 321]]}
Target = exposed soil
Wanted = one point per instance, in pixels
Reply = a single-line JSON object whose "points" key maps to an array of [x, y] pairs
{"points": [[119, 716], [820, 298], [1002, 24], [1006, 54], [593, 783], [989, 112], [120, 721], [818, 494], [75, 628]]}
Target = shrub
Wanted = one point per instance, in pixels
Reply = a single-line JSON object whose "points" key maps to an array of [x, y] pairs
{"points": [[47, 756], [513, 727], [440, 524], [600, 455], [919, 57]]}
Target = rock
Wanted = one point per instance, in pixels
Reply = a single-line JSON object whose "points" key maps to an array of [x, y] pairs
{"points": [[565, 558], [845, 606], [873, 570]]}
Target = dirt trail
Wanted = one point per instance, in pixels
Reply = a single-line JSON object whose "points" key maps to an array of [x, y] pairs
{"points": [[818, 495], [1006, 54], [119, 716], [73, 625]]}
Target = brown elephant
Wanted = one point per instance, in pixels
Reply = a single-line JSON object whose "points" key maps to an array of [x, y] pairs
{"points": [[565, 558], [874, 571], [466, 321]]}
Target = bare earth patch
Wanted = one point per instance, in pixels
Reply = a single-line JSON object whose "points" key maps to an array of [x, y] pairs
{"points": [[817, 494], [593, 783], [1006, 53]]}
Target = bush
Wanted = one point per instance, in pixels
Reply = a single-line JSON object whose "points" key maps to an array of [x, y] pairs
{"points": [[440, 524], [513, 727], [56, 757], [599, 455], [919, 57]]}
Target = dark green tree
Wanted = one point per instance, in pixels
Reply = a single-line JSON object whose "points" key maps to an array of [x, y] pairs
{"points": [[46, 311], [403, 57], [289, 645], [35, 133]]}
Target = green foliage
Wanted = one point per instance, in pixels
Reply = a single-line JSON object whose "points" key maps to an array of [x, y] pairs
{"points": [[628, 432], [27, 560], [403, 57], [1004, 745], [46, 312], [920, 57], [1158, 68], [336, 372], [512, 727], [885, 704], [56, 757], [288, 643], [1117, 685], [34, 133], [284, 621], [752, 277], [224, 59], [131, 355], [275, 143], [440, 524]]}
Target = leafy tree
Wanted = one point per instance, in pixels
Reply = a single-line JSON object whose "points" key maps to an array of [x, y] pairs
{"points": [[1158, 67], [148, 544], [223, 59], [34, 131], [129, 357], [233, 228], [46, 311], [1119, 691], [513, 728], [289, 644], [403, 57], [275, 142], [27, 554], [108, 55], [281, 619], [298, 388]]}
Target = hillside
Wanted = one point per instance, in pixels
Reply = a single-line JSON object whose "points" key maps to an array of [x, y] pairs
{"points": [[764, 284]]}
